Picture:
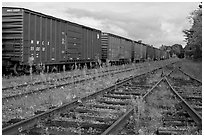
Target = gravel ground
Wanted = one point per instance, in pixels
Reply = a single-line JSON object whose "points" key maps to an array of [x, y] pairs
{"points": [[25, 107]]}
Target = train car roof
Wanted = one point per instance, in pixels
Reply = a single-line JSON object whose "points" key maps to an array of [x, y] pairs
{"points": [[117, 36], [49, 16], [146, 45]]}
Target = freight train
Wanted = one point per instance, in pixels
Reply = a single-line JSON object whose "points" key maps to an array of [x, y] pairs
{"points": [[34, 39]]}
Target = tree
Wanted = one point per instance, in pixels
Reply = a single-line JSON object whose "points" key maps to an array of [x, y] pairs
{"points": [[178, 50], [194, 35]]}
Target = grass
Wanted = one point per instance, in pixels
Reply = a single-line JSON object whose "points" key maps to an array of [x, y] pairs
{"points": [[35, 77], [48, 80], [25, 107], [148, 113], [43, 101], [194, 68], [32, 78]]}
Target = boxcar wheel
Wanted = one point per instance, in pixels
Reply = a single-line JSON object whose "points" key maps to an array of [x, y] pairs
{"points": [[54, 69], [17, 69], [27, 69]]}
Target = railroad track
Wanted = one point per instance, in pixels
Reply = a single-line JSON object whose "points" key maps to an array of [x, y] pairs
{"points": [[186, 119], [39, 87], [182, 118], [162, 111], [25, 107], [189, 88], [199, 81], [52, 80], [92, 114]]}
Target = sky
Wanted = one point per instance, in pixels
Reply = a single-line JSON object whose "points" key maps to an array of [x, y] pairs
{"points": [[154, 23]]}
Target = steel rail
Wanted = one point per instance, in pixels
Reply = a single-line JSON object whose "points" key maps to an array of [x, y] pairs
{"points": [[116, 126], [4, 99], [190, 76], [191, 111], [58, 79], [39, 82], [57, 86], [30, 122]]}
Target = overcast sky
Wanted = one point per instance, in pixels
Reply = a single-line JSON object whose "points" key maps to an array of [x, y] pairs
{"points": [[153, 23]]}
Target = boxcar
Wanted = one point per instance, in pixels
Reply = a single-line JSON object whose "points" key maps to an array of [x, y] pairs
{"points": [[115, 48], [157, 54], [163, 54], [143, 52], [150, 52], [126, 49], [139, 51], [29, 36]]}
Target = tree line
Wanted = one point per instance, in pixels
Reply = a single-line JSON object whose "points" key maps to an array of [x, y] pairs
{"points": [[193, 36]]}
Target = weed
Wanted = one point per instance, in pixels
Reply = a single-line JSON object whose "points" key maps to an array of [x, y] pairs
{"points": [[30, 62], [57, 97], [147, 115]]}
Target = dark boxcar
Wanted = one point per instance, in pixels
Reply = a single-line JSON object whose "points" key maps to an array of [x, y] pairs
{"points": [[12, 33], [111, 45], [150, 52], [29, 35], [104, 46], [116, 48], [166, 55], [139, 51], [162, 54], [126, 49], [91, 44], [144, 52], [157, 54]]}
